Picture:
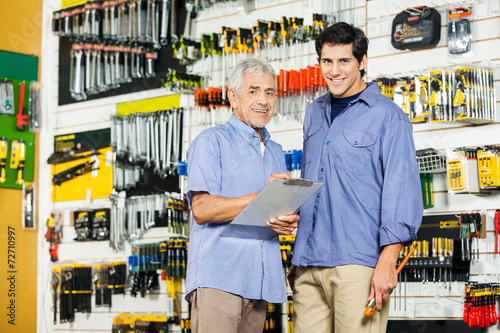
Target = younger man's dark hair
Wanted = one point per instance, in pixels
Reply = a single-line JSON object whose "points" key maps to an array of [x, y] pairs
{"points": [[344, 34]]}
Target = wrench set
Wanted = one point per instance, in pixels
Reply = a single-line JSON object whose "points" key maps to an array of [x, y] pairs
{"points": [[132, 217], [114, 42], [146, 140]]}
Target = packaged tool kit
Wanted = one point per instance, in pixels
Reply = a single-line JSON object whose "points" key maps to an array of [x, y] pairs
{"points": [[462, 170], [460, 29], [416, 27]]}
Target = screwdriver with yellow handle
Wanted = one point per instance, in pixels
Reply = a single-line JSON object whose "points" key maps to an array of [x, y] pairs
{"points": [[372, 304], [3, 158]]}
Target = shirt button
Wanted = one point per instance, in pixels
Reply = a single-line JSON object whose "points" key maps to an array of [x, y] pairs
{"points": [[328, 142], [321, 169]]}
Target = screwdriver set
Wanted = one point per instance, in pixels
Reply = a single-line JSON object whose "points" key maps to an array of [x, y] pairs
{"points": [[463, 94], [480, 308], [168, 256]]}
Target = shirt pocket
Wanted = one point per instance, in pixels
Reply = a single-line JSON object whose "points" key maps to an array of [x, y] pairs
{"points": [[313, 136], [353, 151]]}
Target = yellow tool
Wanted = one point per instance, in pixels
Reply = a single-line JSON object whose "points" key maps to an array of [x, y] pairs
{"points": [[3, 158], [17, 157]]}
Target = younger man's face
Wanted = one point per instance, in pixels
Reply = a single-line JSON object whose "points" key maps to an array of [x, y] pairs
{"points": [[341, 70]]}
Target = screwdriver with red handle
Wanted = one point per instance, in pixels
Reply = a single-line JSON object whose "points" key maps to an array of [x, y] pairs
{"points": [[372, 304]]}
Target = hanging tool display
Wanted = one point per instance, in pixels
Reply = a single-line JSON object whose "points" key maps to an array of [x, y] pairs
{"points": [[76, 291], [17, 159], [463, 170], [181, 82], [115, 42], [101, 288], [6, 97], [34, 107], [464, 94], [480, 304], [108, 279], [132, 217], [488, 160], [416, 27], [146, 140], [460, 29], [83, 225], [54, 234], [143, 265], [55, 285], [214, 55]]}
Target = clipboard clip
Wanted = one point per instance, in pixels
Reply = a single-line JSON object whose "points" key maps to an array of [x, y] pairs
{"points": [[299, 182]]}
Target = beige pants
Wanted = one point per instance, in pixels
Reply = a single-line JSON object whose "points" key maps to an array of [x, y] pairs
{"points": [[216, 311], [334, 299]]}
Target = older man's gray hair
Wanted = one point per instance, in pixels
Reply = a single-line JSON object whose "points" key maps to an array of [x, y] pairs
{"points": [[247, 66]]}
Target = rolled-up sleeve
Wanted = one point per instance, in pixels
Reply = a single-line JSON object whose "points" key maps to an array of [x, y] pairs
{"points": [[204, 167], [402, 206]]}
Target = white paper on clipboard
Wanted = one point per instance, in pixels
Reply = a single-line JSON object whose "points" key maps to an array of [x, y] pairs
{"points": [[280, 197]]}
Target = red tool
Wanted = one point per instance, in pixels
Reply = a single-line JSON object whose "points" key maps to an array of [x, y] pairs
{"points": [[493, 310], [497, 228], [466, 304], [372, 305], [22, 118]]}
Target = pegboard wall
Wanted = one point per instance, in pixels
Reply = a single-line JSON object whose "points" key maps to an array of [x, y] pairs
{"points": [[422, 302]]}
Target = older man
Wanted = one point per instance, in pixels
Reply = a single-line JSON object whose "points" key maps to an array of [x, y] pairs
{"points": [[230, 280]]}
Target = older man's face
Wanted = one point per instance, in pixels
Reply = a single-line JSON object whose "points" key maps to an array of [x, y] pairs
{"points": [[254, 105]]}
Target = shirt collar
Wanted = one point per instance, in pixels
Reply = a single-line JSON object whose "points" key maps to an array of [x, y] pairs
{"points": [[369, 95], [246, 131]]}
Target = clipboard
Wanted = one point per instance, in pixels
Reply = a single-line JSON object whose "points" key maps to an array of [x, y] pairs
{"points": [[280, 197]]}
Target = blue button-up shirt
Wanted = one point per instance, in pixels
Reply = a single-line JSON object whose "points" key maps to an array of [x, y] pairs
{"points": [[227, 161], [372, 195]]}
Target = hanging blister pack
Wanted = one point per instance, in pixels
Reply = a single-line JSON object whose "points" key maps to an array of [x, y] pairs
{"points": [[6, 97], [422, 110], [460, 30]]}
